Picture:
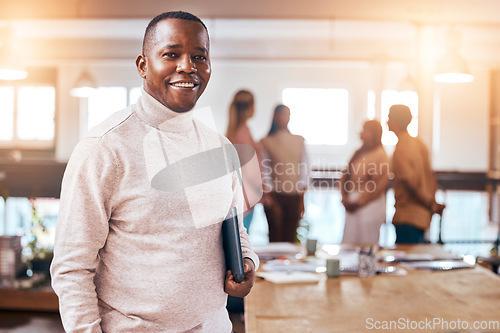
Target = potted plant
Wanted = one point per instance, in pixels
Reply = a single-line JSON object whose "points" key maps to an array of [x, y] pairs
{"points": [[38, 251]]}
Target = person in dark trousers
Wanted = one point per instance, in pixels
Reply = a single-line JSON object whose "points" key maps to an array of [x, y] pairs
{"points": [[286, 175], [414, 181]]}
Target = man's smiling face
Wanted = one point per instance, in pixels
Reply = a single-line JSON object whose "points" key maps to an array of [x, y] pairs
{"points": [[175, 65]]}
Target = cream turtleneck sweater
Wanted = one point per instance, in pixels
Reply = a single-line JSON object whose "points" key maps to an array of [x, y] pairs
{"points": [[138, 240]]}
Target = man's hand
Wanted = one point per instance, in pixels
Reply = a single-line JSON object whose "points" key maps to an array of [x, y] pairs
{"points": [[438, 208], [241, 289]]}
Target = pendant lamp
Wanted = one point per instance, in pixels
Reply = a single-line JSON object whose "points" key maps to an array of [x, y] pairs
{"points": [[452, 68], [85, 85]]}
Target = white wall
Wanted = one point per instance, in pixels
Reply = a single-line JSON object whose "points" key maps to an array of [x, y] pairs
{"points": [[462, 144]]}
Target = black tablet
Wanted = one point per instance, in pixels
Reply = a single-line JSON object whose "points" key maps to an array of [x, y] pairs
{"points": [[232, 245]]}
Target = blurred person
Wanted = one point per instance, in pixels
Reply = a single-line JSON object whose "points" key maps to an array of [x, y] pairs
{"points": [[363, 187], [286, 177], [414, 181], [242, 109], [138, 243]]}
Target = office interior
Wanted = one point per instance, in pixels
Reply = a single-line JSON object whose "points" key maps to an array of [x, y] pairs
{"points": [[357, 57]]}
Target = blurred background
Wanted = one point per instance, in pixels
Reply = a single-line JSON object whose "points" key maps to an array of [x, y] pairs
{"points": [[335, 63]]}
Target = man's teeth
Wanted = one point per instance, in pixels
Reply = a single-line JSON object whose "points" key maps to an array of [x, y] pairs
{"points": [[183, 84]]}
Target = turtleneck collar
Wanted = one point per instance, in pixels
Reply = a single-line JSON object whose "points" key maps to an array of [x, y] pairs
{"points": [[152, 112]]}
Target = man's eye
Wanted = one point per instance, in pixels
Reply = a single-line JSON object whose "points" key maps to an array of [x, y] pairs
{"points": [[200, 57], [169, 55]]}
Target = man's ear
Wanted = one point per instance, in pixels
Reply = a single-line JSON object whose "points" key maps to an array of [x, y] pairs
{"points": [[142, 65]]}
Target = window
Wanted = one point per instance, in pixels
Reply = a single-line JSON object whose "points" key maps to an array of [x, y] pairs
{"points": [[27, 119], [19, 214], [104, 102], [391, 97], [28, 107], [36, 111], [107, 100], [319, 115], [7, 114], [134, 94]]}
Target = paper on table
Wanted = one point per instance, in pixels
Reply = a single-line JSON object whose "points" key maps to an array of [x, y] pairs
{"points": [[386, 270], [401, 256], [274, 250], [294, 277], [439, 265], [293, 266], [276, 247]]}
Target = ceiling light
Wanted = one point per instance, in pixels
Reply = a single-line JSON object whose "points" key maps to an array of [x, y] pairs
{"points": [[85, 85], [452, 68]]}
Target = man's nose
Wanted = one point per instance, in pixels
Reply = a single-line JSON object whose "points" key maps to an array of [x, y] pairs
{"points": [[186, 65]]}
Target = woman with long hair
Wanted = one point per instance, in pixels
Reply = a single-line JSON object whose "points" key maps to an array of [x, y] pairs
{"points": [[363, 187], [286, 173], [242, 108]]}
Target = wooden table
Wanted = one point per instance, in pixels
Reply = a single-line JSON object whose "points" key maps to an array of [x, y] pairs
{"points": [[353, 304]]}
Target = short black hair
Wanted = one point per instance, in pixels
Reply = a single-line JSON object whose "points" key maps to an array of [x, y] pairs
{"points": [[401, 114], [169, 15]]}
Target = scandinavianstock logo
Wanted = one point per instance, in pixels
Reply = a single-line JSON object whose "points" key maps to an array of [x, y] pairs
{"points": [[200, 173]]}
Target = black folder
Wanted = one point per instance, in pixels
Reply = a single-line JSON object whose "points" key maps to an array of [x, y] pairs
{"points": [[232, 246]]}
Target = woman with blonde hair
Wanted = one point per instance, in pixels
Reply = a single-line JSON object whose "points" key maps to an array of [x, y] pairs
{"points": [[242, 108]]}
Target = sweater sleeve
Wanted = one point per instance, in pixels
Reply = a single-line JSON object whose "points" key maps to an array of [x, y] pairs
{"points": [[82, 230]]}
